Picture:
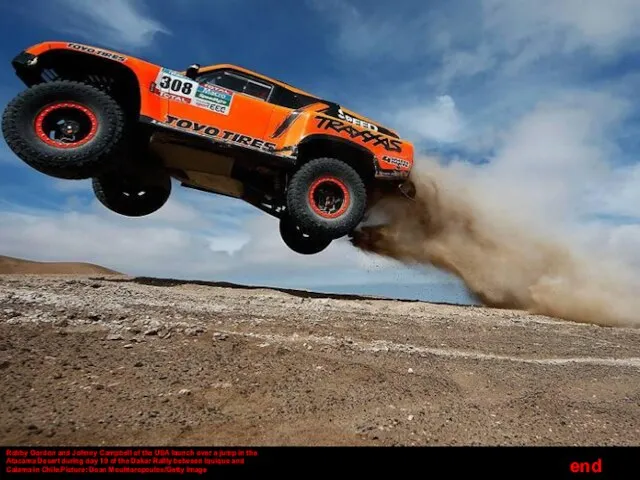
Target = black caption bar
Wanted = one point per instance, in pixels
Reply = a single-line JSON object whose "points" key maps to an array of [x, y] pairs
{"points": [[539, 462]]}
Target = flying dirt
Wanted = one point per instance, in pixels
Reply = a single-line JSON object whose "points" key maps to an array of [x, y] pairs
{"points": [[503, 264]]}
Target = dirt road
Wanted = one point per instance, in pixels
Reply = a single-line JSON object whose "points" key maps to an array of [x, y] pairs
{"points": [[123, 361]]}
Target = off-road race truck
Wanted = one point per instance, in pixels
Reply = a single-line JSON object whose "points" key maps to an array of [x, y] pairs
{"points": [[131, 126]]}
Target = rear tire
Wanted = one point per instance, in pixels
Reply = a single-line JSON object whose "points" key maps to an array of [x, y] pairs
{"points": [[326, 197], [299, 242], [134, 192], [65, 129]]}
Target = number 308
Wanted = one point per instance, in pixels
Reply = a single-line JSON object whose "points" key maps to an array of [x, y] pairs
{"points": [[176, 85]]}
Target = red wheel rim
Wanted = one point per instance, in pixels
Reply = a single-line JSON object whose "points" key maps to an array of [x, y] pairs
{"points": [[329, 197], [74, 123]]}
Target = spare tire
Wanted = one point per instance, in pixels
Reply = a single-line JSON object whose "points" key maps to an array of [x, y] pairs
{"points": [[65, 129]]}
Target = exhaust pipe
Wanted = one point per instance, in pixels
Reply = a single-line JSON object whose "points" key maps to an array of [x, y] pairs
{"points": [[408, 189]]}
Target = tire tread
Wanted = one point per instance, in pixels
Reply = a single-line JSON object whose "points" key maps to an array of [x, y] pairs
{"points": [[300, 211], [67, 164]]}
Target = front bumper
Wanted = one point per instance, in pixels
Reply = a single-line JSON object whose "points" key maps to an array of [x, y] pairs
{"points": [[26, 67], [24, 60]]}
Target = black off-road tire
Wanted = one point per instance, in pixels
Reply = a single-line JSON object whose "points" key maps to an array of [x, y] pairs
{"points": [[296, 240], [301, 190], [104, 142], [133, 192]]}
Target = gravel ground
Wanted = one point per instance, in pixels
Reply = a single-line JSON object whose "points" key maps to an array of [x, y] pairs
{"points": [[118, 360]]}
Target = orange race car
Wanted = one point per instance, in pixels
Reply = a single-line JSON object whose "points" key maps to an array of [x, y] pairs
{"points": [[131, 126]]}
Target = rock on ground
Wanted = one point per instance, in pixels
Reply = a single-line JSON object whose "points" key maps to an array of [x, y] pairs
{"points": [[116, 360]]}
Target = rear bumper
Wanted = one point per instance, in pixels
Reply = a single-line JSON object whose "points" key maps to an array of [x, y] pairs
{"points": [[395, 173], [400, 189], [408, 189]]}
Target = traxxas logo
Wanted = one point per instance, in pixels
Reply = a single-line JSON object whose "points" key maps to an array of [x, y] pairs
{"points": [[367, 136], [216, 133]]}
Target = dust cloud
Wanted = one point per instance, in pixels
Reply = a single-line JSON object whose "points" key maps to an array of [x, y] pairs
{"points": [[504, 259]]}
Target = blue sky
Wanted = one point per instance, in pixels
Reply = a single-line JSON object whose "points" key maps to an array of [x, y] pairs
{"points": [[537, 99]]}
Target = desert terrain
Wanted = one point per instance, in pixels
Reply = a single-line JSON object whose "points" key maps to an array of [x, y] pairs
{"points": [[19, 265], [92, 357]]}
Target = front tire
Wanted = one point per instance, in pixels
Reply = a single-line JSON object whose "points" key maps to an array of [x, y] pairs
{"points": [[326, 197], [300, 242], [133, 193], [65, 129]]}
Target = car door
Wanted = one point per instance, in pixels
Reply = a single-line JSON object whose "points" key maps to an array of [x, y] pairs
{"points": [[225, 101]]}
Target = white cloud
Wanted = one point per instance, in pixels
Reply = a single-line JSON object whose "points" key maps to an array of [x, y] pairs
{"points": [[175, 212], [556, 168], [619, 194], [557, 150], [467, 37], [517, 33], [363, 32], [117, 23], [570, 24], [71, 186], [193, 245], [228, 244], [466, 63], [439, 121], [623, 242], [468, 77]]}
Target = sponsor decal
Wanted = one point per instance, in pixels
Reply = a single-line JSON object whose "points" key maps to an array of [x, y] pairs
{"points": [[286, 124], [215, 94], [212, 106], [176, 87], [171, 96], [398, 162], [390, 173], [218, 134], [356, 121], [334, 110], [292, 117], [97, 51], [366, 136], [175, 98]]}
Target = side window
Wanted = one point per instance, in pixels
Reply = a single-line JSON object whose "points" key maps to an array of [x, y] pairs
{"points": [[303, 100], [294, 100], [237, 83]]}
